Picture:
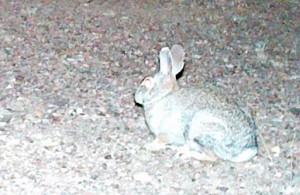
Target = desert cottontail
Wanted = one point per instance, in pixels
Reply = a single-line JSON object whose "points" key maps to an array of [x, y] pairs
{"points": [[202, 119]]}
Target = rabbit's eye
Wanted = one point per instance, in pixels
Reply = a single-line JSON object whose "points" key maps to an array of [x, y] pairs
{"points": [[148, 83]]}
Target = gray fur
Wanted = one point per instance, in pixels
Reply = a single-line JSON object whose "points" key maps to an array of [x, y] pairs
{"points": [[201, 118]]}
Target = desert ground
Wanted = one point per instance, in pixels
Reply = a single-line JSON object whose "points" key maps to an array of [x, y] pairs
{"points": [[69, 69]]}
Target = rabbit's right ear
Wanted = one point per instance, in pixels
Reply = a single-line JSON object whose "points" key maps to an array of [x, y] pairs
{"points": [[177, 55], [165, 58]]}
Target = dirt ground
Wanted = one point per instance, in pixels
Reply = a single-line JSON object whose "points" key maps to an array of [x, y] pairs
{"points": [[69, 69]]}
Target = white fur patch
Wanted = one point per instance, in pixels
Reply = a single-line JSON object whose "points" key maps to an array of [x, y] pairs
{"points": [[245, 156]]}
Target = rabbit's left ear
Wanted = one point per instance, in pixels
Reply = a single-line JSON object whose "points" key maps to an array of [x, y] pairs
{"points": [[177, 55], [165, 58]]}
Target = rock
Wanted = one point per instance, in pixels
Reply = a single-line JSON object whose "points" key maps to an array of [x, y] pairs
{"points": [[17, 105], [5, 115]]}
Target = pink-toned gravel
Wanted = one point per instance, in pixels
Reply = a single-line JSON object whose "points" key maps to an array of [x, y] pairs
{"points": [[68, 71]]}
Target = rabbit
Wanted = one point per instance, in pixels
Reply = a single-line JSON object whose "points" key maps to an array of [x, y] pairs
{"points": [[200, 118]]}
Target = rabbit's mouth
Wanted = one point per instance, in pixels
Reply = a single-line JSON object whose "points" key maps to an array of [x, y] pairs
{"points": [[138, 98]]}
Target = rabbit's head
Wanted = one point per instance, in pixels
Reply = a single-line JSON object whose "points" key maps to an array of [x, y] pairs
{"points": [[153, 88]]}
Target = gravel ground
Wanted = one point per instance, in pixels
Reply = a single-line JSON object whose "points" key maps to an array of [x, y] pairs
{"points": [[68, 71]]}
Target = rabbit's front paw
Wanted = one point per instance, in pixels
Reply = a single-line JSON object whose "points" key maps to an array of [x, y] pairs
{"points": [[155, 146], [160, 142]]}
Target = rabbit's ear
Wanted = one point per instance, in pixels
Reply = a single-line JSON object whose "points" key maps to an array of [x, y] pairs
{"points": [[177, 54], [165, 59]]}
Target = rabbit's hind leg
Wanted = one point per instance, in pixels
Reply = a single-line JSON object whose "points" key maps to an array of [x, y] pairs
{"points": [[211, 145], [226, 150], [185, 152]]}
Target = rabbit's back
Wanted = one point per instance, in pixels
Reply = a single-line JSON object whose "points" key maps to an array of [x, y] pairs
{"points": [[207, 106]]}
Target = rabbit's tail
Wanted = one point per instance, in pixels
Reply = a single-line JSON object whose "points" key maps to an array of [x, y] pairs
{"points": [[246, 155]]}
